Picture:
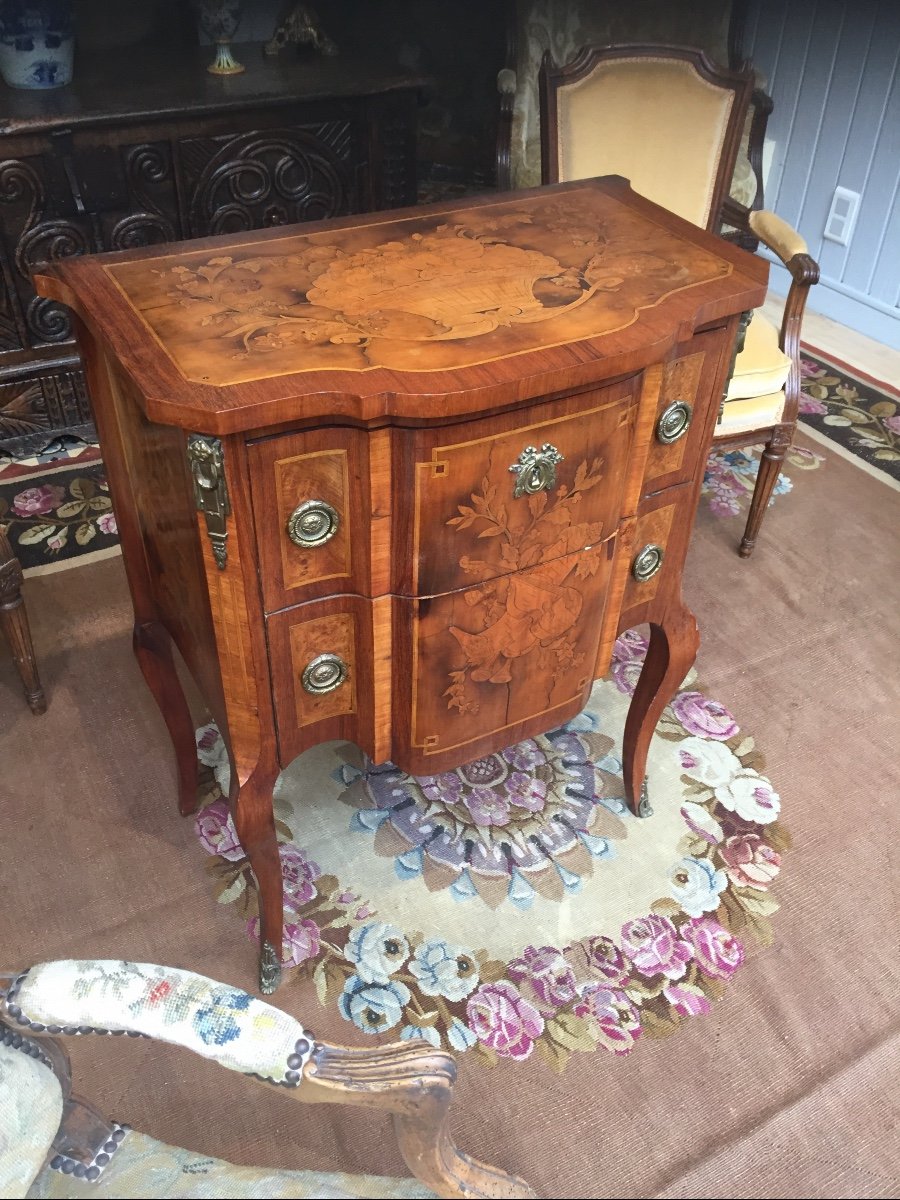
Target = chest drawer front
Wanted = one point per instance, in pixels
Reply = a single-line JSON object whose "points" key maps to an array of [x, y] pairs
{"points": [[507, 493], [688, 392], [654, 561], [311, 511], [499, 661]]}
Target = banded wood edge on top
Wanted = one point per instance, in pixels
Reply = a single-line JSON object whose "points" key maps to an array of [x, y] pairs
{"points": [[549, 293]]}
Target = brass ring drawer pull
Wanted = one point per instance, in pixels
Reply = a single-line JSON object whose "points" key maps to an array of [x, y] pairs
{"points": [[313, 523], [323, 674], [673, 422], [647, 562], [536, 470]]}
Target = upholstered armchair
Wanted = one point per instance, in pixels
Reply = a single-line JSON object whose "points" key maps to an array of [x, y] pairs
{"points": [[671, 121], [53, 1144]]}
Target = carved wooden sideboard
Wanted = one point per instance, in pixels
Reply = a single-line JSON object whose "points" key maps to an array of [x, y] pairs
{"points": [[148, 148], [404, 479]]}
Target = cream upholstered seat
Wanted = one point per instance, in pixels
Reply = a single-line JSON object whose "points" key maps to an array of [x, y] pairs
{"points": [[671, 122], [53, 1144]]}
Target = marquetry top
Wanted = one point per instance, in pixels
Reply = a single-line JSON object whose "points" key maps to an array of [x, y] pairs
{"points": [[412, 303]]}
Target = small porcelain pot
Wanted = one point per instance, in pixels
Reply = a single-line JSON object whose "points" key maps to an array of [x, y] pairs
{"points": [[36, 43]]}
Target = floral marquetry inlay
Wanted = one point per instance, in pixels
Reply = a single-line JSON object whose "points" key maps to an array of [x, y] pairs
{"points": [[491, 282]]}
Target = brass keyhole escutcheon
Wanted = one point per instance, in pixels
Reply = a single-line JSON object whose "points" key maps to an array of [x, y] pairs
{"points": [[673, 422], [647, 562], [323, 674], [313, 523], [536, 470]]}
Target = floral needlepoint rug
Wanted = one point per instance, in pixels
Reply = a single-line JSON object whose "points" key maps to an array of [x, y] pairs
{"points": [[514, 906]]}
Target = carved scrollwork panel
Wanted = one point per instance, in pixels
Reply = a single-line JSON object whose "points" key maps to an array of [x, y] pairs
{"points": [[273, 177], [150, 182]]}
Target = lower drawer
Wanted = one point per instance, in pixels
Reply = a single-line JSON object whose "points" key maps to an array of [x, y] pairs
{"points": [[434, 682], [656, 558]]}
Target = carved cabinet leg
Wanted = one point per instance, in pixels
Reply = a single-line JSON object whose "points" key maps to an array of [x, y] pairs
{"points": [[254, 821], [770, 465], [153, 650], [14, 621], [670, 655]]}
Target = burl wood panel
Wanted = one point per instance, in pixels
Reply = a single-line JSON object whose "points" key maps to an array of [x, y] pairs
{"points": [[335, 634], [467, 522], [515, 653]]}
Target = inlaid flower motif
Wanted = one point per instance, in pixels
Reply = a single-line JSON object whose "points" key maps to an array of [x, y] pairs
{"points": [[704, 717], [687, 999], [217, 833], [614, 1018], [36, 501], [696, 884], [503, 1020], [751, 797], [654, 946], [377, 950], [373, 1007], [444, 970], [749, 861], [712, 763], [298, 874], [717, 951], [544, 977]]}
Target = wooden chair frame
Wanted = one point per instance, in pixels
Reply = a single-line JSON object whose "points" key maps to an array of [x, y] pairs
{"points": [[410, 1079], [751, 226], [14, 622]]}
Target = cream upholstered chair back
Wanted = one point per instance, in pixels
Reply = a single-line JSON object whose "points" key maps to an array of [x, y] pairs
{"points": [[667, 119]]}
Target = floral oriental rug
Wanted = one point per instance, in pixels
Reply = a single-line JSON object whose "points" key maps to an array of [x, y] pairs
{"points": [[515, 906]]}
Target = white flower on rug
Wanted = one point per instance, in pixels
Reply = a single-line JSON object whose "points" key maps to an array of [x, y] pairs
{"points": [[751, 797], [708, 762], [696, 885], [700, 821], [377, 950], [212, 753]]}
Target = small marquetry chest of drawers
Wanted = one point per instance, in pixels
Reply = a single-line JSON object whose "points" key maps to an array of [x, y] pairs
{"points": [[403, 479]]}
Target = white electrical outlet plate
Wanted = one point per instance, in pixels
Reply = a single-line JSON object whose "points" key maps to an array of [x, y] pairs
{"points": [[842, 216]]}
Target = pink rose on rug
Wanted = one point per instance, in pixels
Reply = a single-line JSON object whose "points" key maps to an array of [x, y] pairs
{"points": [[891, 423], [606, 960], [58, 540], [613, 1015], [546, 976], [38, 500], [717, 951], [504, 1020], [654, 946], [809, 404], [298, 874], [301, 942], [630, 646], [749, 862], [687, 999], [107, 523], [216, 831], [704, 717], [626, 674]]}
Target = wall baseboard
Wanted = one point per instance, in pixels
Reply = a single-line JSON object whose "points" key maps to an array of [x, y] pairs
{"points": [[865, 318]]}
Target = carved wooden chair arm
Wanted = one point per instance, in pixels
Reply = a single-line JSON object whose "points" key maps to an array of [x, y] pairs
{"points": [[409, 1079]]}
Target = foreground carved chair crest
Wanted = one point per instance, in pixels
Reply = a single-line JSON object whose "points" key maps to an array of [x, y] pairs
{"points": [[53, 1144], [671, 122]]}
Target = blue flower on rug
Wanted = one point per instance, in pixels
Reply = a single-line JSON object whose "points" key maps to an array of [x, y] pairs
{"points": [[373, 1007]]}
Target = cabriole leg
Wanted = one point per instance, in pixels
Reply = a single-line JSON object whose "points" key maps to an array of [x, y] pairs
{"points": [[670, 655], [153, 650], [254, 821]]}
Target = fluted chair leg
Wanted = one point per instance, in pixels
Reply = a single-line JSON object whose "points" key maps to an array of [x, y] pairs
{"points": [[14, 622], [770, 465]]}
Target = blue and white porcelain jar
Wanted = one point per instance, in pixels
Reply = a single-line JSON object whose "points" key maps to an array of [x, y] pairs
{"points": [[36, 43]]}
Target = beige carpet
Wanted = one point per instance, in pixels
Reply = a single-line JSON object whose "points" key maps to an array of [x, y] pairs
{"points": [[788, 1088]]}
